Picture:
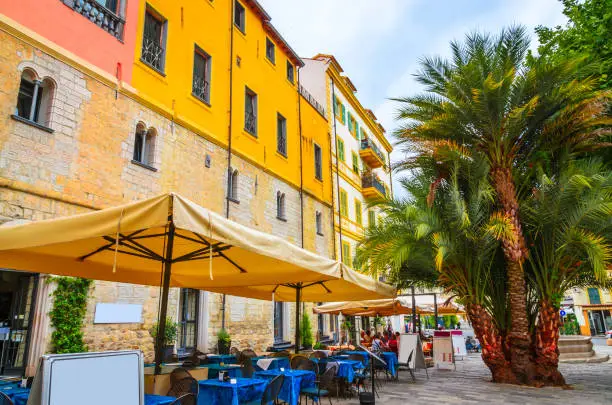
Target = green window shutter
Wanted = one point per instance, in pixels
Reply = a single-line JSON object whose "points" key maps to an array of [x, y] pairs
{"points": [[343, 114], [358, 210], [371, 218], [357, 130], [341, 149], [355, 163], [594, 297]]}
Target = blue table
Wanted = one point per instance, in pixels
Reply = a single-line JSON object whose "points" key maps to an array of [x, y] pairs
{"points": [[391, 359], [222, 358], [13, 390], [277, 362], [346, 368], [20, 397], [213, 371], [294, 381], [214, 392], [157, 400]]}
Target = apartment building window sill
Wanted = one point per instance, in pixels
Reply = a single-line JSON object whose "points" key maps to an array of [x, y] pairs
{"points": [[144, 165], [281, 154], [31, 123], [320, 234], [282, 219], [201, 100], [235, 201], [153, 68]]}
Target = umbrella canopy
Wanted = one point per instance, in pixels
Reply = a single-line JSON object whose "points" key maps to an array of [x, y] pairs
{"points": [[381, 307], [351, 285], [129, 243], [444, 306]]}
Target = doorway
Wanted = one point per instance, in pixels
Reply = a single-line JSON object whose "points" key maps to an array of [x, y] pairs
{"points": [[17, 302]]}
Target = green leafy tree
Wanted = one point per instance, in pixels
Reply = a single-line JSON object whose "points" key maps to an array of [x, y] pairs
{"points": [[586, 35], [486, 99]]}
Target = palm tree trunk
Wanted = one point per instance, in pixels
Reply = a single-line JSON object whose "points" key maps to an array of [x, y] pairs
{"points": [[515, 253], [492, 345], [546, 347]]}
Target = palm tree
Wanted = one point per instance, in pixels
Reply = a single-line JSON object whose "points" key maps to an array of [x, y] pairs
{"points": [[568, 223], [448, 232], [486, 99]]}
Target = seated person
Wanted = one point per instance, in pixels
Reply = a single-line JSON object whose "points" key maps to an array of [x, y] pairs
{"points": [[393, 343], [367, 338], [385, 337]]}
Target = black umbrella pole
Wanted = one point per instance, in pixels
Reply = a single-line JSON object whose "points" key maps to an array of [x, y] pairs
{"points": [[298, 298], [161, 328], [413, 310]]}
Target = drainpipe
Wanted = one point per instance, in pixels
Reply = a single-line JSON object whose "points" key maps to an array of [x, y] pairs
{"points": [[331, 186], [301, 156], [337, 171], [229, 136]]}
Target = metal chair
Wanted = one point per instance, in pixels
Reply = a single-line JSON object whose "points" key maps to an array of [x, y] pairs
{"points": [[272, 391], [322, 387], [185, 399], [5, 399], [308, 365], [246, 364], [283, 353], [188, 385], [179, 374], [318, 355], [249, 353]]}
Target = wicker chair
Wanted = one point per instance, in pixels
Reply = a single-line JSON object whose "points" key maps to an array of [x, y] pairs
{"points": [[308, 365], [179, 374], [322, 386], [186, 399], [234, 351], [283, 353], [249, 353], [5, 400], [318, 355], [187, 385], [297, 360], [246, 364]]}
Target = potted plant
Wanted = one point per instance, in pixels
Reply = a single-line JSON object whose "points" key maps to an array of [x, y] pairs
{"points": [[169, 338], [306, 332], [224, 341]]}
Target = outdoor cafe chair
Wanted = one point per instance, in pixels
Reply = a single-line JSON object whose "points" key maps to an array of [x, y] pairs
{"points": [[409, 368], [282, 353], [318, 355], [271, 392], [249, 353], [297, 360], [246, 366], [234, 351], [322, 386], [308, 365], [5, 399], [178, 374], [187, 385], [185, 399]]}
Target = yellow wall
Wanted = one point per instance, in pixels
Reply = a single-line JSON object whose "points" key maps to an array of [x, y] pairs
{"points": [[190, 22], [314, 130], [275, 94]]}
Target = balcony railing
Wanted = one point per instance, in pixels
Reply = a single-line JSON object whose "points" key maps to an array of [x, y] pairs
{"points": [[104, 18], [250, 123], [152, 52], [200, 88], [369, 180], [311, 100], [367, 144]]}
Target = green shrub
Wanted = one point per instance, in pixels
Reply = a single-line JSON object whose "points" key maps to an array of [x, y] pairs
{"points": [[67, 313], [223, 336], [171, 331], [306, 331]]}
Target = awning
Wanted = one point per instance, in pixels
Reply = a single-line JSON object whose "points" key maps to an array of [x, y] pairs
{"points": [[380, 307]]}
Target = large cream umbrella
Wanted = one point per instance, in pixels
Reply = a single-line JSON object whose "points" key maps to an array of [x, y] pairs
{"points": [[380, 307], [165, 240]]}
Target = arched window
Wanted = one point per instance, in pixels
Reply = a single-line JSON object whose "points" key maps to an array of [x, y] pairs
{"points": [[35, 98], [319, 223], [280, 206], [144, 145], [233, 185]]}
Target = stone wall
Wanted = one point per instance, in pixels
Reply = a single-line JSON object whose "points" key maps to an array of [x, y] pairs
{"points": [[86, 163]]}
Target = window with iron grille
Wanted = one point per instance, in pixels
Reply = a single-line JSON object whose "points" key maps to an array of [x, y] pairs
{"points": [[201, 75], [270, 50], [281, 135], [154, 41], [250, 112], [239, 16], [319, 223], [290, 72], [188, 320], [278, 322], [318, 162]]}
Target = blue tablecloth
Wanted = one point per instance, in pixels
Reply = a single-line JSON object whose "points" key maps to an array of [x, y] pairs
{"points": [[13, 390], [346, 368], [213, 371], [20, 397], [277, 362], [366, 355], [214, 392], [222, 358], [294, 381], [391, 359]]}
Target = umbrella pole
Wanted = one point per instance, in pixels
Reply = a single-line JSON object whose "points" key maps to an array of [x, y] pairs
{"points": [[161, 331], [298, 298], [413, 310], [435, 311]]}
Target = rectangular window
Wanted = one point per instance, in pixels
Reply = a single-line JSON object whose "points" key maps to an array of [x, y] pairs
{"points": [[594, 297], [341, 149], [278, 322], [319, 223], [358, 212], [346, 254], [339, 110], [28, 100], [318, 162], [343, 203], [250, 112], [352, 124], [290, 72], [188, 320], [371, 218], [154, 41], [333, 321], [270, 51], [355, 163], [200, 85], [239, 16], [281, 135]]}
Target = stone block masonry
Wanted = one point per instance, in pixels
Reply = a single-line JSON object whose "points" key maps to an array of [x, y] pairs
{"points": [[86, 163]]}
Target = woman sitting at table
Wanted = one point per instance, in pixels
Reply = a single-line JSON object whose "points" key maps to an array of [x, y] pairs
{"points": [[394, 342], [378, 345], [367, 338]]}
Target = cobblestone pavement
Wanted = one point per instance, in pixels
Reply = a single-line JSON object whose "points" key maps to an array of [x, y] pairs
{"points": [[470, 384]]}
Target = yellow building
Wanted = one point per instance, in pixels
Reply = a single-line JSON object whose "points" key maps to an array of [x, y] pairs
{"points": [[593, 309]]}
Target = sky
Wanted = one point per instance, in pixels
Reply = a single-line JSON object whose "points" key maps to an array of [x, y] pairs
{"points": [[379, 43]]}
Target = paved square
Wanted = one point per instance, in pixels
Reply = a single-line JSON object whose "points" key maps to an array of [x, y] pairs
{"points": [[469, 384]]}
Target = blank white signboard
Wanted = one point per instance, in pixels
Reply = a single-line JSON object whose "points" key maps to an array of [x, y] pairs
{"points": [[118, 313], [90, 378]]}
